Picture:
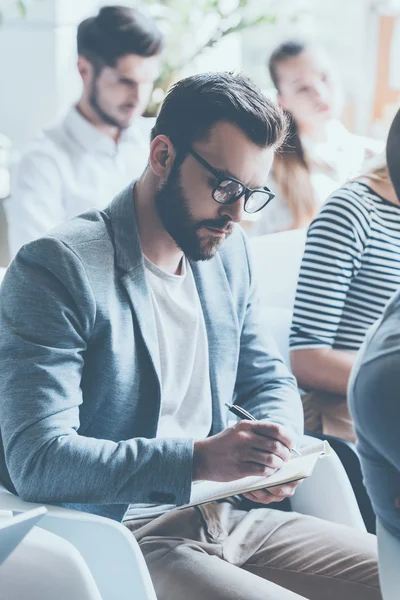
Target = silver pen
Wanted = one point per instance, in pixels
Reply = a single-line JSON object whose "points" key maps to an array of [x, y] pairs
{"points": [[244, 414]]}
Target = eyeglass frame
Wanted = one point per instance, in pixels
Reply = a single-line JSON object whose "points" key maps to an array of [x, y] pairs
{"points": [[247, 192]]}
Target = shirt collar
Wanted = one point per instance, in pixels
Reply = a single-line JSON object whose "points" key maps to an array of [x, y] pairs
{"points": [[90, 138]]}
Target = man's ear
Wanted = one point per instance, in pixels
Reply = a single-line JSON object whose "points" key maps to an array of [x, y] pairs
{"points": [[280, 101], [85, 69], [162, 156]]}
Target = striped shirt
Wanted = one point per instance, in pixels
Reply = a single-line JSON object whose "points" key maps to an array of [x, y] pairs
{"points": [[350, 269]]}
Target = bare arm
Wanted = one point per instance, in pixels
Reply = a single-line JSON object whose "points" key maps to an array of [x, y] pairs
{"points": [[322, 368]]}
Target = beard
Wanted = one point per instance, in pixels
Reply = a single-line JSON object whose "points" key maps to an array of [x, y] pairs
{"points": [[174, 212], [101, 111]]}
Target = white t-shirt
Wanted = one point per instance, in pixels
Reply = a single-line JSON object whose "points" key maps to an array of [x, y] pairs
{"points": [[332, 163], [69, 169], [183, 346]]}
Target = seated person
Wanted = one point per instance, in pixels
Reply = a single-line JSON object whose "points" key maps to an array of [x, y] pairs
{"points": [[374, 393], [124, 333], [349, 271], [103, 142], [319, 154]]}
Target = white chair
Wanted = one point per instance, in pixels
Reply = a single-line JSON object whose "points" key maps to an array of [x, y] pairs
{"points": [[2, 271], [276, 264], [45, 566], [109, 550], [389, 561], [328, 494]]}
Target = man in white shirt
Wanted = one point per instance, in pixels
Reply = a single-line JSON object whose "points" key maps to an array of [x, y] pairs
{"points": [[103, 142]]}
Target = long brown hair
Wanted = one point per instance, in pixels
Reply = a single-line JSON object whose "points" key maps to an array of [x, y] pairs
{"points": [[291, 169]]}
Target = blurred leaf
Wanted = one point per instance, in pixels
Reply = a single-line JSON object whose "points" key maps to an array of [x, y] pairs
{"points": [[21, 6]]}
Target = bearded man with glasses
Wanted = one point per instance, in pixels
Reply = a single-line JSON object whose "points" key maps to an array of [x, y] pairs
{"points": [[124, 334]]}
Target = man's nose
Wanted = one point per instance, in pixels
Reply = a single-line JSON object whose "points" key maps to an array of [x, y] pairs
{"points": [[234, 211], [321, 92], [134, 94]]}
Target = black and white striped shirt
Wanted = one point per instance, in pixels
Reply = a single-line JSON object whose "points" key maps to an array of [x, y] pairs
{"points": [[350, 269]]}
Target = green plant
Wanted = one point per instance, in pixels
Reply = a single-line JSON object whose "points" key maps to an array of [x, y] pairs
{"points": [[20, 5], [192, 27]]}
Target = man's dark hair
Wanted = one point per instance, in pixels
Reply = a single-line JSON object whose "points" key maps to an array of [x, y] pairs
{"points": [[115, 32], [193, 105], [393, 153]]}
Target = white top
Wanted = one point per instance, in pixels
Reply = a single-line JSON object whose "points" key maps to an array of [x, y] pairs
{"points": [[186, 409], [70, 169], [332, 163]]}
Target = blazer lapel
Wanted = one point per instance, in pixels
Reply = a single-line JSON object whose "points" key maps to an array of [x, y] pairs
{"points": [[136, 287], [129, 259]]}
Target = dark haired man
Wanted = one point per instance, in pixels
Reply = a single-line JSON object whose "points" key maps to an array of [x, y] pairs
{"points": [[103, 142], [125, 332]]}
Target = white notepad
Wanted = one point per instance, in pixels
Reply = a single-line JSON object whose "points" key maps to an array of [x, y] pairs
{"points": [[298, 467]]}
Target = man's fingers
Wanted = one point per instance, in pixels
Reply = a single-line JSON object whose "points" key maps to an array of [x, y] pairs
{"points": [[272, 430], [265, 458], [274, 494], [285, 490], [255, 468], [272, 447], [263, 496]]}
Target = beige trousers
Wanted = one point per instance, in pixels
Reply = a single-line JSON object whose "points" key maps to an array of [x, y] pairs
{"points": [[217, 552], [329, 414]]}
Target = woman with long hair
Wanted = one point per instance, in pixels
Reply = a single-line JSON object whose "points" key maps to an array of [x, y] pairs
{"points": [[319, 154], [349, 271]]}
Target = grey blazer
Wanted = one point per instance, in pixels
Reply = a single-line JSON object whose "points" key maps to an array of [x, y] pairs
{"points": [[80, 376]]}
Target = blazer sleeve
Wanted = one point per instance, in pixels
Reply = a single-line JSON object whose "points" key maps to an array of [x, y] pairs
{"points": [[47, 315]]}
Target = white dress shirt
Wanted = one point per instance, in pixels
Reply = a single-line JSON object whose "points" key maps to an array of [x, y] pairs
{"points": [[70, 169]]}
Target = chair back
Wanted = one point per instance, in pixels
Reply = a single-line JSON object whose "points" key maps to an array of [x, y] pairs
{"points": [[276, 262], [389, 561]]}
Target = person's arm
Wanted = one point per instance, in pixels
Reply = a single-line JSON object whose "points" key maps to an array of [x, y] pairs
{"points": [[322, 369], [264, 385], [334, 246], [35, 205], [47, 318]]}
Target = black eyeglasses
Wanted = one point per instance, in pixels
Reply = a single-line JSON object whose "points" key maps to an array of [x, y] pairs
{"points": [[228, 189]]}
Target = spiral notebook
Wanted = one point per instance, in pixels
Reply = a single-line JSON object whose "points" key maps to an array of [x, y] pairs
{"points": [[298, 467]]}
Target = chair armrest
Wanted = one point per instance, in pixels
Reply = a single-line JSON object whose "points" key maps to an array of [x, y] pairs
{"points": [[45, 566], [108, 548], [328, 494]]}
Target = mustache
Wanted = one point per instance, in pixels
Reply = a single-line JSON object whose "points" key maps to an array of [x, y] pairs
{"points": [[225, 224], [127, 106]]}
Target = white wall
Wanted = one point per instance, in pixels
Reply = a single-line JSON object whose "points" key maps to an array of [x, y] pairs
{"points": [[37, 66]]}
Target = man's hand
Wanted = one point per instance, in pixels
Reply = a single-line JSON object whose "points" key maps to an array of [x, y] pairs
{"points": [[246, 448], [275, 494]]}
